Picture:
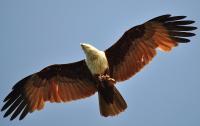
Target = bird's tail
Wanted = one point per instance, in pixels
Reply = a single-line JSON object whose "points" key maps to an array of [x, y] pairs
{"points": [[112, 108]]}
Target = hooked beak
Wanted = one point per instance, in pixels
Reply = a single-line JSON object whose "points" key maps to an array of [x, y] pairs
{"points": [[83, 45]]}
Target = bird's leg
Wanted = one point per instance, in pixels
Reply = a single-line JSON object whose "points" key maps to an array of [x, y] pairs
{"points": [[112, 81], [107, 78], [99, 81], [106, 88]]}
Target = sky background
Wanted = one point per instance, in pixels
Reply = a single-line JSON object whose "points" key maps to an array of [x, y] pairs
{"points": [[37, 33]]}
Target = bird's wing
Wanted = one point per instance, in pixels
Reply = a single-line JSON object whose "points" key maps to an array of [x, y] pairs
{"points": [[56, 83], [137, 46]]}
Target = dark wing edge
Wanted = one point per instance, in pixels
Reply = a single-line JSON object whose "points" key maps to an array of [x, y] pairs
{"points": [[137, 46], [56, 83]]}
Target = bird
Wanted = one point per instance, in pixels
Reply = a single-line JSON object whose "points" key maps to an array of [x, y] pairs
{"points": [[99, 71]]}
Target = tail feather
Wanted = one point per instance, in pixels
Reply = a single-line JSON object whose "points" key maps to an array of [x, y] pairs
{"points": [[110, 109]]}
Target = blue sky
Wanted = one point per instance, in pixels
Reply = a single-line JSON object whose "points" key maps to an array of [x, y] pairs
{"points": [[37, 33]]}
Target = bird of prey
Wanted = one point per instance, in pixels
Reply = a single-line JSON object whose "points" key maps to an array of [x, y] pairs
{"points": [[100, 70]]}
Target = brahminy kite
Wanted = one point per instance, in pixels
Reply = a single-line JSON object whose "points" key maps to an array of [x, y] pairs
{"points": [[100, 70]]}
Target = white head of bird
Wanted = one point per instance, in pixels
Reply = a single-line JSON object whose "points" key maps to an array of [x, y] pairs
{"points": [[95, 59], [90, 51]]}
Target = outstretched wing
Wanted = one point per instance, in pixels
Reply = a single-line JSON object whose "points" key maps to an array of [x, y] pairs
{"points": [[56, 83], [137, 46]]}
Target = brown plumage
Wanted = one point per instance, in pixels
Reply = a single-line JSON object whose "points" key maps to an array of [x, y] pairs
{"points": [[56, 83], [67, 82], [137, 46]]}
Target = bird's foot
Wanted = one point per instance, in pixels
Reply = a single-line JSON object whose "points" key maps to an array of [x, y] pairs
{"points": [[107, 78]]}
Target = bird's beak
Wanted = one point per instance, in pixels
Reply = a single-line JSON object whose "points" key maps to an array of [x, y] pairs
{"points": [[82, 45]]}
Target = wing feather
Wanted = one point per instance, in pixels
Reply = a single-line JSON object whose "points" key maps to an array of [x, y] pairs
{"points": [[56, 83], [138, 45]]}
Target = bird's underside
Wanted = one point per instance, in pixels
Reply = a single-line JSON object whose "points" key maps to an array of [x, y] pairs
{"points": [[67, 82]]}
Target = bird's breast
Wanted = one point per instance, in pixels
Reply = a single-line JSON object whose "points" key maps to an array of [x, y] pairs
{"points": [[97, 64]]}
